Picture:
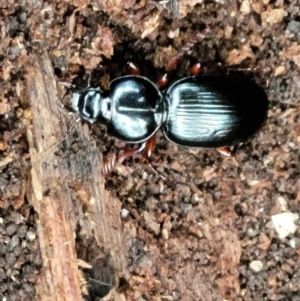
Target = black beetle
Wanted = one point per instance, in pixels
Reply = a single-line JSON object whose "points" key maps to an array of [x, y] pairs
{"points": [[209, 111]]}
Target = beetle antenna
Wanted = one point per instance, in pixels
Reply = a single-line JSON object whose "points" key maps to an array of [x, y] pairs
{"points": [[62, 138], [64, 109], [155, 171], [109, 166]]}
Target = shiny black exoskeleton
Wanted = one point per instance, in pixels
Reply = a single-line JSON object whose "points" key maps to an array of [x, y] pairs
{"points": [[209, 111]]}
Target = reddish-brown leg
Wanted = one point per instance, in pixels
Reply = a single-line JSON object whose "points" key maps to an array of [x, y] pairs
{"points": [[225, 151], [110, 165], [163, 81], [196, 69], [150, 145], [133, 69], [145, 149]]}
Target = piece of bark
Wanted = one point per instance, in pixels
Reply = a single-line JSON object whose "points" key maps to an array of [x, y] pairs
{"points": [[66, 192]]}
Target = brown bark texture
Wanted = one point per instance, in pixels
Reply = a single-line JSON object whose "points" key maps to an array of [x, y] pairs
{"points": [[51, 190]]}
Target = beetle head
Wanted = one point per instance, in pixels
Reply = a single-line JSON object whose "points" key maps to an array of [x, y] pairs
{"points": [[92, 105]]}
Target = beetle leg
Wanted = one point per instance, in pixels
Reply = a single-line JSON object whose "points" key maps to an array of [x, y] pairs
{"points": [[110, 165], [225, 151], [149, 147], [208, 68], [129, 153], [146, 149], [133, 69], [161, 82], [196, 69]]}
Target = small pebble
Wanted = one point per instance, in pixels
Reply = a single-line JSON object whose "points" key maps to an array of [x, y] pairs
{"points": [[124, 213], [31, 235], [284, 223], [256, 265]]}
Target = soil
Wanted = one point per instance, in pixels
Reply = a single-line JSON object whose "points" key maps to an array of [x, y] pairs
{"points": [[196, 226]]}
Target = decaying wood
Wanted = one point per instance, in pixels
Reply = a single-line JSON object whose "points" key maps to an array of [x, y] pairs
{"points": [[66, 192]]}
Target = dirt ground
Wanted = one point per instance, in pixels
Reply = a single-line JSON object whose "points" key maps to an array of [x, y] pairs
{"points": [[200, 227]]}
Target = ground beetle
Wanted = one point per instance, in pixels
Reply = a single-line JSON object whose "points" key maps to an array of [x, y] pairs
{"points": [[209, 111]]}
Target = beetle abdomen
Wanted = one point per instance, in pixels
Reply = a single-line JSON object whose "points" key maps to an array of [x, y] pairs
{"points": [[214, 111]]}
